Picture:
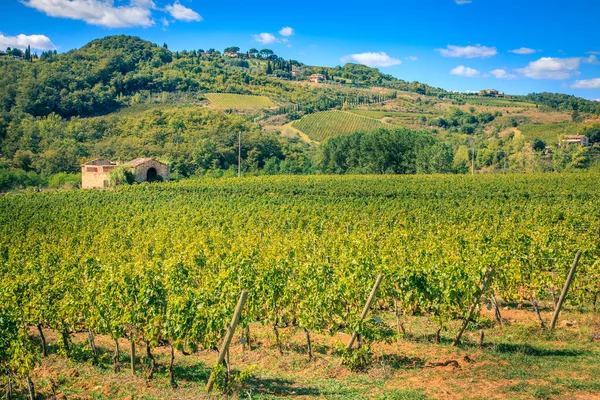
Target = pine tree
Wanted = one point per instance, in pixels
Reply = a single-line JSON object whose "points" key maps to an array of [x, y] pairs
{"points": [[269, 68]]}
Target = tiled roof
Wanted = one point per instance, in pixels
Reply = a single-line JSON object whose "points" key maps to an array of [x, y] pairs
{"points": [[100, 161]]}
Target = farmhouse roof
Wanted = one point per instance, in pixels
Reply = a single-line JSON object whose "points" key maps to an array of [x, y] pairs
{"points": [[140, 161], [577, 137], [100, 161]]}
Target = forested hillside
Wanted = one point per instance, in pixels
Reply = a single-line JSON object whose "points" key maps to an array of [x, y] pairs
{"points": [[122, 97]]}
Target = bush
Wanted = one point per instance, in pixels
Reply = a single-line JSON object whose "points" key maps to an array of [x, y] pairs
{"points": [[121, 176], [64, 180]]}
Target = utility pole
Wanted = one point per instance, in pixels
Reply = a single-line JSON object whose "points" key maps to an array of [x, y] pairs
{"points": [[239, 154], [473, 157]]}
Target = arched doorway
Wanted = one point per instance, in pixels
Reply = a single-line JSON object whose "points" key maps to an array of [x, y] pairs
{"points": [[151, 174]]}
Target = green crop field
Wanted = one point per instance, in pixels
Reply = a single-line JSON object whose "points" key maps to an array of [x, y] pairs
{"points": [[388, 114], [227, 100], [486, 101], [549, 133], [86, 274], [327, 124]]}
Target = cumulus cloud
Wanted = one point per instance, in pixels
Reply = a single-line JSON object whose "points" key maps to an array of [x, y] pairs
{"points": [[371, 59], [523, 51], [265, 38], [467, 72], [587, 84], [39, 42], [183, 13], [97, 12], [287, 31], [502, 74], [551, 68], [477, 51]]}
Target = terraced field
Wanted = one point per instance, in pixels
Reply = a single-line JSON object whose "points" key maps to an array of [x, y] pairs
{"points": [[327, 124], [228, 100]]}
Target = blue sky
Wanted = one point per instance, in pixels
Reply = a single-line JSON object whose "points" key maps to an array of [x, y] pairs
{"points": [[515, 46]]}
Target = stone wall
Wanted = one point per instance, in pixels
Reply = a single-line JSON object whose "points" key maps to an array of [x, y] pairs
{"points": [[95, 176], [141, 171]]}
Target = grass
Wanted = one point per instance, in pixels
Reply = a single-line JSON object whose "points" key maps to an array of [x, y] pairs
{"points": [[227, 100], [549, 132], [519, 360], [327, 124]]}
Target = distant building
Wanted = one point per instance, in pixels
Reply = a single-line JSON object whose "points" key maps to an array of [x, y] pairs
{"points": [[148, 169], [576, 139], [231, 54], [96, 173], [316, 78], [296, 73], [489, 92]]}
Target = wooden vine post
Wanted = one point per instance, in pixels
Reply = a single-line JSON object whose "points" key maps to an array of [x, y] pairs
{"points": [[487, 279], [565, 290], [228, 336], [366, 309]]}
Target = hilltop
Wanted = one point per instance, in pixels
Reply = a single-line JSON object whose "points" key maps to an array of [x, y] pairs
{"points": [[122, 97]]}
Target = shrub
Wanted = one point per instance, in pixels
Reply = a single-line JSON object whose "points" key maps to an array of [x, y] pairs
{"points": [[64, 180], [121, 176]]}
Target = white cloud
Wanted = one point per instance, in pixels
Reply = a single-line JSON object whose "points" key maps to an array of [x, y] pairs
{"points": [[591, 60], [412, 58], [265, 38], [372, 59], [596, 53], [467, 72], [165, 23], [523, 51], [551, 68], [183, 13], [502, 74], [587, 84], [40, 42], [287, 31], [461, 2], [98, 12], [477, 51]]}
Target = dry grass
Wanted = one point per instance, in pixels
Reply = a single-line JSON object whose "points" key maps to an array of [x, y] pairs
{"points": [[519, 360]]}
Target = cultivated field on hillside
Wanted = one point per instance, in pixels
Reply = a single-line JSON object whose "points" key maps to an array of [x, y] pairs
{"points": [[487, 101], [327, 124], [550, 133], [226, 100], [162, 265]]}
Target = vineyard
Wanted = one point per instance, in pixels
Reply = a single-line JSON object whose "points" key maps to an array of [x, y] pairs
{"points": [[550, 133], [483, 101], [327, 124], [231, 101], [157, 269]]}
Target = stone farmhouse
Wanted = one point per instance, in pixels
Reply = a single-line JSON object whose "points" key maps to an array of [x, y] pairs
{"points": [[316, 78], [96, 173], [576, 139]]}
